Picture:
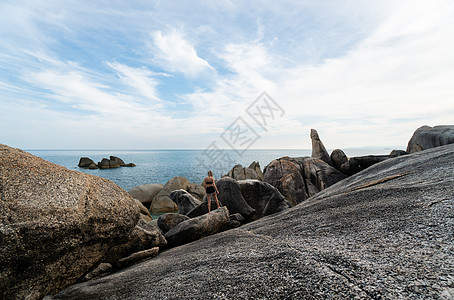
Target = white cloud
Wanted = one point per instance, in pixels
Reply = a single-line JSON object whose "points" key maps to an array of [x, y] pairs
{"points": [[138, 78], [176, 54]]}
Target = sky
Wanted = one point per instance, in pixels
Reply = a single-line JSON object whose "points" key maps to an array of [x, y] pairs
{"points": [[187, 74]]}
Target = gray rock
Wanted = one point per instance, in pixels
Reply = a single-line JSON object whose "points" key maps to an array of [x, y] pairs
{"points": [[318, 149], [427, 137], [240, 173], [203, 207], [256, 167], [55, 224], [146, 192], [199, 227], [396, 153], [85, 162], [263, 197], [117, 161], [319, 173], [162, 202], [230, 196], [144, 236], [196, 190], [169, 221], [358, 163], [384, 233], [185, 201], [338, 158], [104, 164]]}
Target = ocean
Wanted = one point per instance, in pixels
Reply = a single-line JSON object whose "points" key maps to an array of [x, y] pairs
{"points": [[158, 166]]}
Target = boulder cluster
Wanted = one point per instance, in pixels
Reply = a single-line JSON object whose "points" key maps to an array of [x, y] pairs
{"points": [[105, 163], [60, 227]]}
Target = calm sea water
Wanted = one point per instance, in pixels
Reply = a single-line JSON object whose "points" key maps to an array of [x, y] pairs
{"points": [[158, 166]]}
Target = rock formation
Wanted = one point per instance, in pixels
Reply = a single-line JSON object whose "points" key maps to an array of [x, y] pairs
{"points": [[55, 224], [299, 178], [263, 197], [318, 149], [161, 202], [427, 137], [112, 162], [196, 228], [384, 233], [168, 221], [240, 173], [146, 192], [185, 201]]}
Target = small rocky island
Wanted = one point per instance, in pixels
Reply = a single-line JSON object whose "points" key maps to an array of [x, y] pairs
{"points": [[325, 226], [111, 163]]}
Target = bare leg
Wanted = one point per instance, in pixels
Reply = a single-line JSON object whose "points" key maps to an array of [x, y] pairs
{"points": [[216, 198], [209, 202]]}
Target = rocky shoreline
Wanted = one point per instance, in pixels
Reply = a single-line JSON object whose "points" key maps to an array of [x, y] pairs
{"points": [[321, 226]]}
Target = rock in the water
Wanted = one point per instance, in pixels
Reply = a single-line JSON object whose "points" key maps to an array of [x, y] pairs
{"points": [[55, 224], [338, 158], [427, 137], [385, 233], [168, 221], [263, 197], [93, 166], [85, 162], [185, 201], [143, 236], [130, 165], [117, 161], [104, 164], [146, 192], [162, 202], [240, 173], [318, 149], [196, 228]]}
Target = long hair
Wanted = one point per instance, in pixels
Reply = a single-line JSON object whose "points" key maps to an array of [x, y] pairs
{"points": [[210, 173]]}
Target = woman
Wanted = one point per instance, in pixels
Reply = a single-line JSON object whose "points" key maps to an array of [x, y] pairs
{"points": [[210, 189]]}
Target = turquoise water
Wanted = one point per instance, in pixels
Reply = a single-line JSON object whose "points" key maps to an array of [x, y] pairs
{"points": [[158, 166]]}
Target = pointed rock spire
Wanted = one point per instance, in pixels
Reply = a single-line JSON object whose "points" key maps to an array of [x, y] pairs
{"points": [[318, 150]]}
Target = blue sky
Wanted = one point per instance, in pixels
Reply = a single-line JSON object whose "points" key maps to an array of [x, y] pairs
{"points": [[176, 74]]}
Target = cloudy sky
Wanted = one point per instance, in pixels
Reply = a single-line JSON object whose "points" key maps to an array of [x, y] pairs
{"points": [[177, 74]]}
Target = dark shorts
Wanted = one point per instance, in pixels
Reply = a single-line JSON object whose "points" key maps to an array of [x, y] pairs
{"points": [[210, 190]]}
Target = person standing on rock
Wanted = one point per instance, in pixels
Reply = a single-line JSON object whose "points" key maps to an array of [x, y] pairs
{"points": [[210, 189]]}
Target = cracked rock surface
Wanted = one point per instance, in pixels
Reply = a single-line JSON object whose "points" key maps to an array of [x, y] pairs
{"points": [[385, 232]]}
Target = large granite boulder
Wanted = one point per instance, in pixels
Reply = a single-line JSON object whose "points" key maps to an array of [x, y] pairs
{"points": [[318, 149], [55, 224], [146, 192], [202, 208], [104, 164], [144, 213], [338, 158], [162, 202], [384, 233], [116, 161], [196, 190], [184, 200], [255, 165], [238, 172], [144, 236], [168, 221], [427, 137], [319, 173], [263, 197], [230, 196], [358, 163], [196, 228], [287, 176]]}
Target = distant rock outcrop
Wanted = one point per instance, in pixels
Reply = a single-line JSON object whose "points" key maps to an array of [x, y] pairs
{"points": [[427, 137], [112, 162], [55, 224]]}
